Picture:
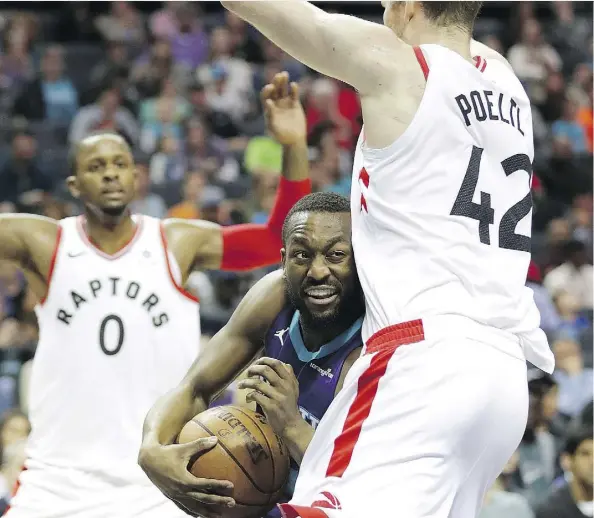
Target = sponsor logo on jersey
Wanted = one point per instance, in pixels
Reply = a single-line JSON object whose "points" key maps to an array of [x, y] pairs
{"points": [[325, 373], [327, 500], [281, 335], [115, 288], [309, 418]]}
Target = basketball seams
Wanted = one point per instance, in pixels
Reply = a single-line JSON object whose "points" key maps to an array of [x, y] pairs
{"points": [[266, 493], [269, 449]]}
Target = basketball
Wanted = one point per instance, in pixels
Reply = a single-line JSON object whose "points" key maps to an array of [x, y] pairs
{"points": [[249, 454]]}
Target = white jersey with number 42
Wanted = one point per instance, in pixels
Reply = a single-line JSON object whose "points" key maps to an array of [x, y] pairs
{"points": [[442, 217], [116, 332]]}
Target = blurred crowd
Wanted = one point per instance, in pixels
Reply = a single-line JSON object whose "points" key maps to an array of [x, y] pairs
{"points": [[182, 86]]}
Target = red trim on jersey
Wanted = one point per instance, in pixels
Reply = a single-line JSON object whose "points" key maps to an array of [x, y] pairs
{"points": [[298, 511], [480, 63], [422, 61], [179, 288], [50, 272], [384, 342], [16, 487], [125, 248]]}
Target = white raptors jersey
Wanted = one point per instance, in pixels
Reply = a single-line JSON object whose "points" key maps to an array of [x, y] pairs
{"points": [[442, 217], [116, 332]]}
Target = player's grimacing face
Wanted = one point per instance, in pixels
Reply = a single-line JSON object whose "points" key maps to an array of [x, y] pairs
{"points": [[319, 266], [106, 174]]}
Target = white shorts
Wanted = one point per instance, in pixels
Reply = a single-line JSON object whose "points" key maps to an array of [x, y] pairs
{"points": [[424, 424], [67, 493]]}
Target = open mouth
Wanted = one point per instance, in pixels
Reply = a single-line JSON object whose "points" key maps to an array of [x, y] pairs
{"points": [[321, 295]]}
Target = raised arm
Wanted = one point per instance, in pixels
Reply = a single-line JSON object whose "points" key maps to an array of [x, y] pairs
{"points": [[353, 50], [224, 357], [202, 245]]}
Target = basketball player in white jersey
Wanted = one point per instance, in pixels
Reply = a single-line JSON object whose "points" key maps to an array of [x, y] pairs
{"points": [[117, 328], [441, 212]]}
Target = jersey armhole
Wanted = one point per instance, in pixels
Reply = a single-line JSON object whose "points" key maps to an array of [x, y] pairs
{"points": [[52, 267], [179, 288], [422, 61]]}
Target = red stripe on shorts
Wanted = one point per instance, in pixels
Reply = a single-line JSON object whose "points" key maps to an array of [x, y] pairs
{"points": [[384, 342], [297, 511]]}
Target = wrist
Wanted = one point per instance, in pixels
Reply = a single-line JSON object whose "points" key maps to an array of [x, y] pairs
{"points": [[294, 429]]}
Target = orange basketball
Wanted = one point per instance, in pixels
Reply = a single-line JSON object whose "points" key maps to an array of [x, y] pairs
{"points": [[249, 454]]}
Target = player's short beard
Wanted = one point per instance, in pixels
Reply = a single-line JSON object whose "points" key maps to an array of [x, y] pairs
{"points": [[349, 307]]}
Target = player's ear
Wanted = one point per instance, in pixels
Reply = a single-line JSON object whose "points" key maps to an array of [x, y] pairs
{"points": [[283, 256], [72, 184]]}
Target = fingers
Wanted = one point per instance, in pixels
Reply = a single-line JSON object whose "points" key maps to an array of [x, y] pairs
{"points": [[260, 386], [196, 448], [266, 372], [267, 93], [282, 370], [281, 84], [278, 89], [208, 499], [295, 92]]}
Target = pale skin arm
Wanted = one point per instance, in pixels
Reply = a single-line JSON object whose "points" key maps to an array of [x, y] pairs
{"points": [[347, 48]]}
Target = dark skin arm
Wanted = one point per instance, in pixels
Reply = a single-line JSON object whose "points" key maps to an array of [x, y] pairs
{"points": [[225, 356], [29, 241], [276, 390], [198, 245]]}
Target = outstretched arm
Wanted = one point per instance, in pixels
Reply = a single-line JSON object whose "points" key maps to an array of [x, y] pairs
{"points": [[353, 50], [220, 361]]}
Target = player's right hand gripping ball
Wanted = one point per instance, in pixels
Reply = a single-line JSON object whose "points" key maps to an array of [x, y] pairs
{"points": [[248, 453]]}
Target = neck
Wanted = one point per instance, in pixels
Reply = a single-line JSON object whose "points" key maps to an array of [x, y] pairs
{"points": [[109, 233], [315, 336], [453, 39], [581, 492]]}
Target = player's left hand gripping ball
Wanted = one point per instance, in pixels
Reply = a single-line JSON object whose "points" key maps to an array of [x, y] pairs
{"points": [[276, 390]]}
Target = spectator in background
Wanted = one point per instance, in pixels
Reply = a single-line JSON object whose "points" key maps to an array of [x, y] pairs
{"points": [[163, 23], [18, 41], [189, 42], [537, 450], [115, 64], [52, 97], [14, 428], [568, 127], [146, 202], [585, 116], [264, 191], [123, 23], [574, 380], [244, 40], [573, 323], [192, 192], [167, 165], [162, 116], [551, 105], [154, 67], [575, 275], [22, 182], [549, 318], [106, 114], [76, 24], [221, 123], [532, 59], [336, 103], [208, 153], [500, 503], [574, 499]]}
